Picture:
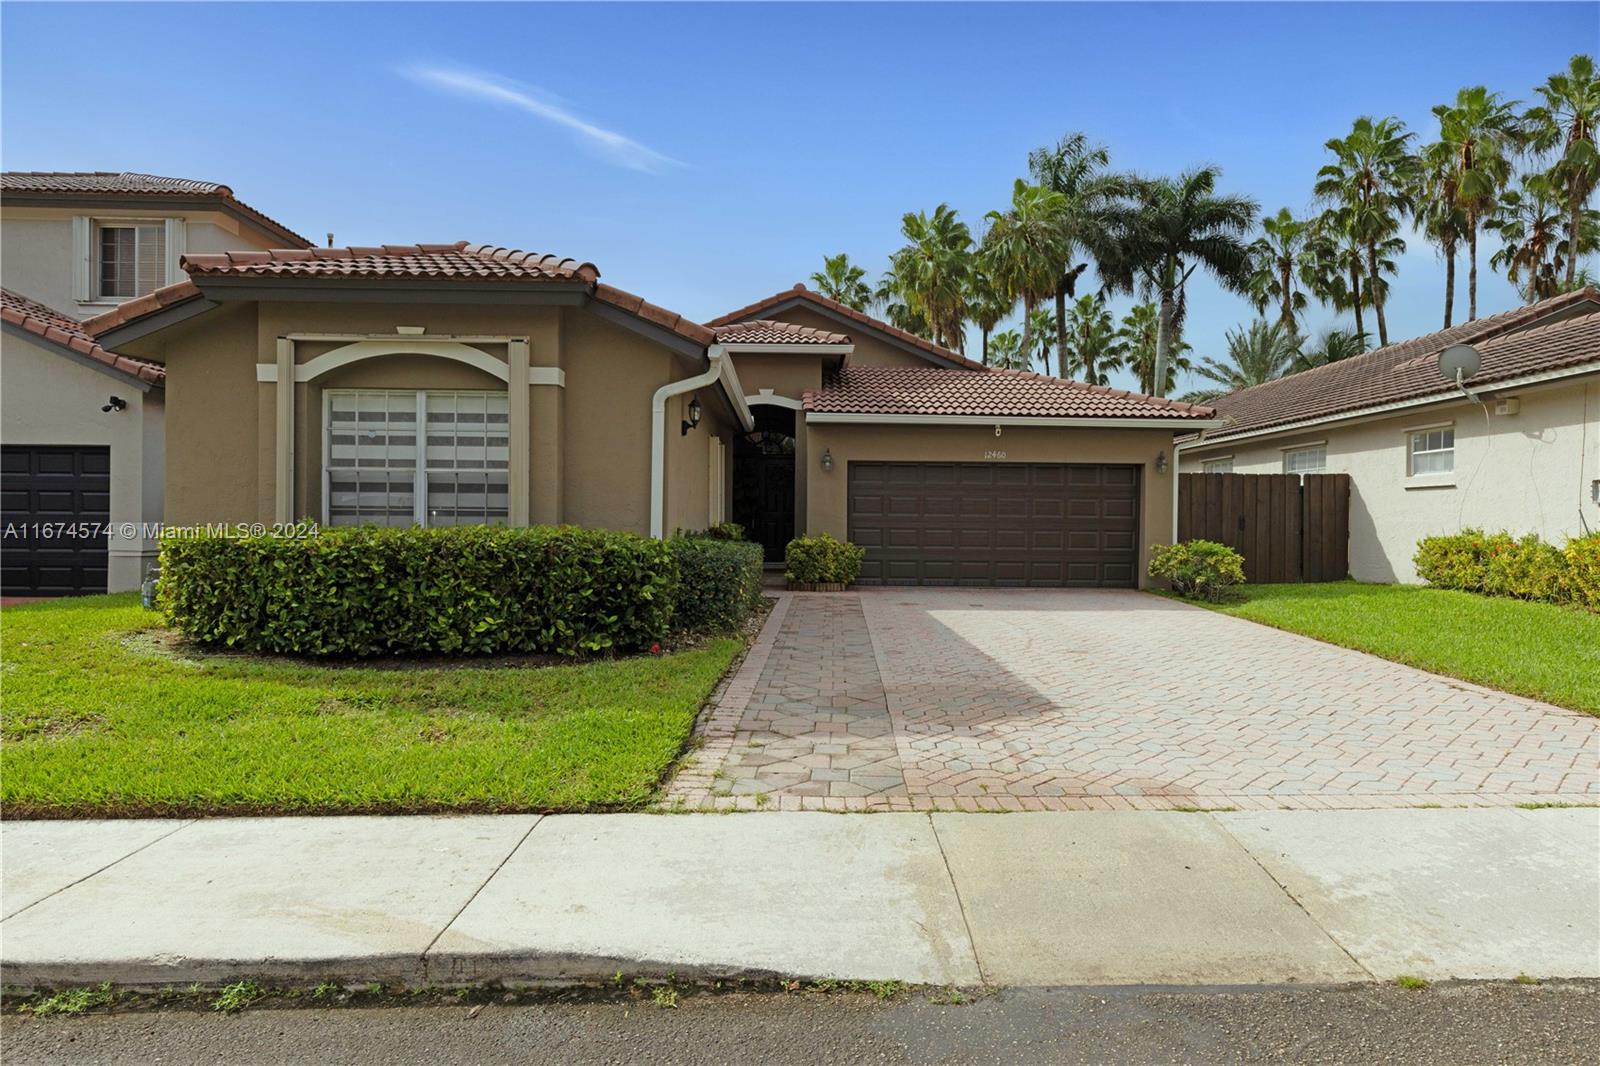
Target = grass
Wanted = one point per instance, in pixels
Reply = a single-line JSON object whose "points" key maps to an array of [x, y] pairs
{"points": [[1538, 650], [1414, 984], [102, 714]]}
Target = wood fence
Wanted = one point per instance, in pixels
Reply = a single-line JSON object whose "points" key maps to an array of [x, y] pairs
{"points": [[1288, 527]]}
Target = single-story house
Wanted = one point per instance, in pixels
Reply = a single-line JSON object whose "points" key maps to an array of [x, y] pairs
{"points": [[441, 384], [81, 433], [1516, 448]]}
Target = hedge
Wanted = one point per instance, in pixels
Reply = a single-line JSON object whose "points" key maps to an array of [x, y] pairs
{"points": [[719, 581], [473, 590], [822, 560], [1198, 569], [1526, 568]]}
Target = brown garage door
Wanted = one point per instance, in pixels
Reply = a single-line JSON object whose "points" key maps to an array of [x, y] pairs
{"points": [[55, 503], [996, 523]]}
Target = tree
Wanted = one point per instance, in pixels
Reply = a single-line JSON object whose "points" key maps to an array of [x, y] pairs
{"points": [[1439, 212], [1025, 247], [1076, 169], [1094, 345], [1331, 346], [1480, 131], [1371, 181], [1531, 222], [987, 302], [1182, 225], [1261, 352], [1562, 129], [1041, 326], [1139, 334], [1007, 352], [1338, 275], [1278, 263], [931, 271], [841, 280], [896, 310]]}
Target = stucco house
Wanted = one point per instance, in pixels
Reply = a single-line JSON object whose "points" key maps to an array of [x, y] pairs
{"points": [[451, 383], [1521, 452], [81, 426]]}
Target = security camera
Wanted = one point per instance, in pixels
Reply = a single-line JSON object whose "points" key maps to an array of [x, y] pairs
{"points": [[115, 403]]}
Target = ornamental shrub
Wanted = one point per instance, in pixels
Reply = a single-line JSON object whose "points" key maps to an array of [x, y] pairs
{"points": [[1456, 560], [719, 582], [725, 531], [822, 560], [1580, 580], [472, 590], [1198, 569], [1526, 569]]}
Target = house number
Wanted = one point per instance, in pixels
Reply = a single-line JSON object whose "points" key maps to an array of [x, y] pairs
{"points": [[994, 455]]}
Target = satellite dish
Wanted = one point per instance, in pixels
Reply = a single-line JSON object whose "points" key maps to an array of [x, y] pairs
{"points": [[1459, 362]]}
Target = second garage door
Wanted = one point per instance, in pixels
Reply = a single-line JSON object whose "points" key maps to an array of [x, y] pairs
{"points": [[55, 503], [1042, 524]]}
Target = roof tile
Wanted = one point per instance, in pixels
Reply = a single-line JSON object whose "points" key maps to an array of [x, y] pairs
{"points": [[57, 328], [927, 390], [767, 331]]}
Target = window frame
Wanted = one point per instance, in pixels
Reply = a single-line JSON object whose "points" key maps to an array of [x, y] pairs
{"points": [[1206, 464], [86, 260], [420, 469], [98, 230], [1434, 477], [1300, 449]]}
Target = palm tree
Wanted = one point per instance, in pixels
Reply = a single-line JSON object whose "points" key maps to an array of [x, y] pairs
{"points": [[1025, 247], [1007, 351], [1182, 225], [1140, 333], [1563, 128], [1041, 326], [1262, 352], [987, 303], [1076, 169], [932, 270], [1094, 345], [896, 310], [1331, 346], [1371, 181], [841, 280], [1531, 221], [1279, 258], [1334, 272], [1439, 212], [1481, 131]]}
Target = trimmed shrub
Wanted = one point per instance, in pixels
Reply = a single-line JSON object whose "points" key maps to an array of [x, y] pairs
{"points": [[1526, 569], [719, 582], [1498, 564], [725, 531], [473, 590], [1580, 581], [1198, 569], [822, 560], [1458, 560]]}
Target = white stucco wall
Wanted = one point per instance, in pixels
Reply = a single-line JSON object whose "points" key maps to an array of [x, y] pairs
{"points": [[1527, 473], [49, 398]]}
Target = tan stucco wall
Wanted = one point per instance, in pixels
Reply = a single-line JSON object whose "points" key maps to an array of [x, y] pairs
{"points": [[786, 375], [688, 487], [828, 496], [1528, 473], [48, 398]]}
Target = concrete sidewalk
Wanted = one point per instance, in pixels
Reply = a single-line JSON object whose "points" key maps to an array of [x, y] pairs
{"points": [[963, 899]]}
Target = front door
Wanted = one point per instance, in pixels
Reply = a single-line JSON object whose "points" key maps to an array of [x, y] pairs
{"points": [[763, 481]]}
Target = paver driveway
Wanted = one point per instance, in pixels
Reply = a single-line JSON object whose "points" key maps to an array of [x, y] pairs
{"points": [[982, 699]]}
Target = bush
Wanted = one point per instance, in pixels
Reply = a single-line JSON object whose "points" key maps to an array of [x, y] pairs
{"points": [[725, 531], [719, 582], [1526, 569], [1198, 569], [1580, 579], [473, 590], [1458, 560], [822, 560], [1498, 564]]}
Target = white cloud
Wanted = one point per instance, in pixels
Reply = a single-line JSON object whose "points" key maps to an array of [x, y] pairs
{"points": [[619, 149]]}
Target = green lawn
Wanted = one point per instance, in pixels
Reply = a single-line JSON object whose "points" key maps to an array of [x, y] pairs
{"points": [[101, 715], [1533, 649]]}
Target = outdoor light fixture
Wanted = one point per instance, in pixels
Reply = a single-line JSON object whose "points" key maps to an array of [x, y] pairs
{"points": [[1161, 462], [115, 403], [694, 417], [827, 461]]}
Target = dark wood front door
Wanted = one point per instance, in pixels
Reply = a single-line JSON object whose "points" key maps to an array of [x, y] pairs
{"points": [[55, 505], [763, 489], [1041, 524]]}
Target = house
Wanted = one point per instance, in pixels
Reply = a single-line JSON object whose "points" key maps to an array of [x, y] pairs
{"points": [[81, 426], [441, 384], [1517, 448]]}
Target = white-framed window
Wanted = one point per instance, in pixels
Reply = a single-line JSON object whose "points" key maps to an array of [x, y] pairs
{"points": [[401, 457], [1223, 465], [1431, 451], [1312, 460], [130, 258]]}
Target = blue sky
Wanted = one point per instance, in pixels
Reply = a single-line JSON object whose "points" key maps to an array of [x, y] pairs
{"points": [[707, 155]]}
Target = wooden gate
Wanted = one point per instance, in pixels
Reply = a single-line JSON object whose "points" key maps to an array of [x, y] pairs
{"points": [[1288, 527]]}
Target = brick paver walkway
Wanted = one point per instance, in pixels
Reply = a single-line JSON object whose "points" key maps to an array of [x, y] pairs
{"points": [[980, 699]]}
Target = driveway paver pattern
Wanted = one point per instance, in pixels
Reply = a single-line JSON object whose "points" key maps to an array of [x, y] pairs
{"points": [[987, 699]]}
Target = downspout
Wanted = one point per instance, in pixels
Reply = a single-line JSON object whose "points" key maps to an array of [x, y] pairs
{"points": [[716, 356]]}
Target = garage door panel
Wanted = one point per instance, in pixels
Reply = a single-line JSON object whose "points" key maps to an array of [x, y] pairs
{"points": [[44, 489], [998, 524]]}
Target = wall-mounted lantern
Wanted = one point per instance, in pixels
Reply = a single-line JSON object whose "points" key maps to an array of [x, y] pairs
{"points": [[1161, 462], [694, 417], [827, 461]]}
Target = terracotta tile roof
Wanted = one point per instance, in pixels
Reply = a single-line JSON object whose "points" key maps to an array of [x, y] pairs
{"points": [[638, 305], [927, 390], [140, 306], [767, 331], [756, 309], [97, 184], [53, 326], [477, 262], [1551, 335]]}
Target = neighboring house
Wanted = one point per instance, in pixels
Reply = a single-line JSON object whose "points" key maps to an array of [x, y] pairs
{"points": [[1423, 458], [81, 427], [455, 383]]}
